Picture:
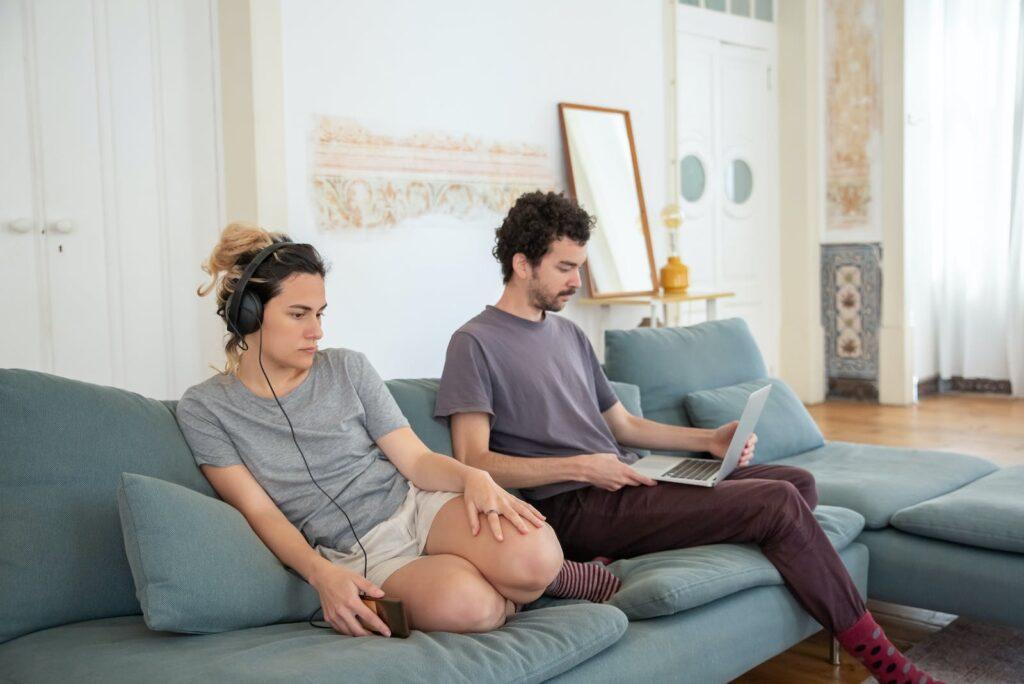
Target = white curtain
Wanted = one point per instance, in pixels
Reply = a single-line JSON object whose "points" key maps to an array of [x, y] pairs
{"points": [[1016, 284], [974, 95]]}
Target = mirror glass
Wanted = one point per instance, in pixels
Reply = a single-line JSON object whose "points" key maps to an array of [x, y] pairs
{"points": [[606, 183], [691, 178], [739, 181]]}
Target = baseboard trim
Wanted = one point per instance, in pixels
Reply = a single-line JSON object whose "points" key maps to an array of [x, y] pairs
{"points": [[928, 386], [852, 388], [936, 385]]}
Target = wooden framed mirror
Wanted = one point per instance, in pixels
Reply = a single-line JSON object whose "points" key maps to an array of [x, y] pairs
{"points": [[605, 180]]}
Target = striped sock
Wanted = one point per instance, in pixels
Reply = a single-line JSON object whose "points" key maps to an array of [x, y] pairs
{"points": [[589, 581]]}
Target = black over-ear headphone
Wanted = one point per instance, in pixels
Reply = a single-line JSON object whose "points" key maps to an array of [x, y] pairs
{"points": [[244, 314], [244, 310]]}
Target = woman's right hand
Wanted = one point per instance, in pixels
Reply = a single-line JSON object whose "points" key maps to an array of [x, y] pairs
{"points": [[339, 596]]}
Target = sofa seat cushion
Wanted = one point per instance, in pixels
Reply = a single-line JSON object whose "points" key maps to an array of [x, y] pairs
{"points": [[668, 582], [877, 481], [531, 647], [785, 428], [987, 513]]}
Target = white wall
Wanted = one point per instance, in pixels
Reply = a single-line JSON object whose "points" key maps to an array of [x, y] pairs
{"points": [[802, 184], [919, 179], [496, 71]]}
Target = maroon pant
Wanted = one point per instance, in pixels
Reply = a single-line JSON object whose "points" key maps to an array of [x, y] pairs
{"points": [[763, 504]]}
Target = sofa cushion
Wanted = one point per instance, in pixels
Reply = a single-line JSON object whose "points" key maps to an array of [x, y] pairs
{"points": [[671, 581], [629, 395], [716, 642], [198, 565], [65, 445], [669, 363], [877, 481], [416, 400], [784, 429], [532, 647], [988, 513], [972, 582]]}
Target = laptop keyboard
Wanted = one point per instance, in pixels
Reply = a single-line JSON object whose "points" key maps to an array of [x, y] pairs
{"points": [[696, 469]]}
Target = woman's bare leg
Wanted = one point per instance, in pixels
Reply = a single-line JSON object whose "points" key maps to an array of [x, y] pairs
{"points": [[520, 567], [446, 593]]}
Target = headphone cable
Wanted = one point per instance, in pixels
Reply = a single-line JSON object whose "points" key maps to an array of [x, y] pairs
{"points": [[245, 347]]}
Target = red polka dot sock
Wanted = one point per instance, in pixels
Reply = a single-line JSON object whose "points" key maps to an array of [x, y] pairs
{"points": [[866, 642], [589, 581]]}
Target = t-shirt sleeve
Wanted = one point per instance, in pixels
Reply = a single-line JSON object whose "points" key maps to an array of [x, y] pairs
{"points": [[380, 409], [465, 380], [606, 397], [205, 435]]}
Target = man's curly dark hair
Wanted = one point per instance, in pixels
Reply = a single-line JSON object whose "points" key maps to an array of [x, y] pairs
{"points": [[535, 221]]}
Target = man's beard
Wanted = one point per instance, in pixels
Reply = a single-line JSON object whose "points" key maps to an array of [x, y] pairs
{"points": [[545, 302]]}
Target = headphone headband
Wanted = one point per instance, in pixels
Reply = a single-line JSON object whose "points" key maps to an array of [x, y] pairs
{"points": [[235, 302]]}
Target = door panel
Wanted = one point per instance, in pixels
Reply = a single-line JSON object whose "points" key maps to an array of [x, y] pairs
{"points": [[748, 254], [24, 339], [110, 128], [70, 164], [696, 107], [729, 237]]}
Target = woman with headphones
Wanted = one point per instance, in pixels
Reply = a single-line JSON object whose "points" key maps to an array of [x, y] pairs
{"points": [[311, 448]]}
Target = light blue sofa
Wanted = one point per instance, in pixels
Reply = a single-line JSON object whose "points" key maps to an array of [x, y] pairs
{"points": [[68, 605], [945, 531]]}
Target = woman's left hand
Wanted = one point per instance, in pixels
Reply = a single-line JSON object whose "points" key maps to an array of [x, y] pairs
{"points": [[483, 496], [722, 437]]}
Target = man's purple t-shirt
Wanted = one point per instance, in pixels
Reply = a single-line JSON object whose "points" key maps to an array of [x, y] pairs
{"points": [[541, 383]]}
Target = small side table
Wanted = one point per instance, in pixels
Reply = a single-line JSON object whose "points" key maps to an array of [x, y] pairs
{"points": [[658, 305]]}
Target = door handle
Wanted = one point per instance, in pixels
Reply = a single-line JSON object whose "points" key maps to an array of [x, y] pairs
{"points": [[22, 225], [62, 226]]}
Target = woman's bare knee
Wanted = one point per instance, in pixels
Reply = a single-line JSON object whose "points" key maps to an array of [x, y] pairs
{"points": [[472, 605], [533, 563], [447, 593]]}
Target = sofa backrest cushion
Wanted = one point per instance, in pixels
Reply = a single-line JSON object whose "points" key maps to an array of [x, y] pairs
{"points": [[669, 363], [65, 445], [199, 567], [784, 429], [416, 398]]}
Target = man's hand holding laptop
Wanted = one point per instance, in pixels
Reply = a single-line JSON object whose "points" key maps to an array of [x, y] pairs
{"points": [[723, 436], [605, 471]]}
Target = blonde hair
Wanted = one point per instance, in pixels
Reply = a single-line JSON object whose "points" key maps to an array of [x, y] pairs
{"points": [[239, 243]]}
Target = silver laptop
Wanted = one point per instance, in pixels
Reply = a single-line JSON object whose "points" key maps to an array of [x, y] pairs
{"points": [[701, 471]]}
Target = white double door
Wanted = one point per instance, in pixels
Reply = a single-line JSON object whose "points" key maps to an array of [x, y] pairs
{"points": [[727, 170], [108, 188]]}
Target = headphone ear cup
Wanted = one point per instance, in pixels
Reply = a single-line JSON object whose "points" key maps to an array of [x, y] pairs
{"points": [[250, 314]]}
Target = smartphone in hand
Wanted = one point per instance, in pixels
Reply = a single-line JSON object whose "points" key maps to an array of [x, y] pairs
{"points": [[391, 612]]}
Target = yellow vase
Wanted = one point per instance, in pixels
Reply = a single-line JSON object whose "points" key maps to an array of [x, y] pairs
{"points": [[675, 276]]}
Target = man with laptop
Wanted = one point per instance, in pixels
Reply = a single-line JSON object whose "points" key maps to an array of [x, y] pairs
{"points": [[528, 401]]}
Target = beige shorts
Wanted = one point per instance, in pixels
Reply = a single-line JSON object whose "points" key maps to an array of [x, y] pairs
{"points": [[397, 541]]}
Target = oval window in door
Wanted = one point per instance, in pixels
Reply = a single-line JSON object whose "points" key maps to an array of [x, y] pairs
{"points": [[739, 181], [692, 178]]}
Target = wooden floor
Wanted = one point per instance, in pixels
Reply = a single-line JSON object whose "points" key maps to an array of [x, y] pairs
{"points": [[990, 426], [986, 425]]}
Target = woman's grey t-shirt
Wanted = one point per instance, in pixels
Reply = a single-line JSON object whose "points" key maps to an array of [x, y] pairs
{"points": [[338, 412]]}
